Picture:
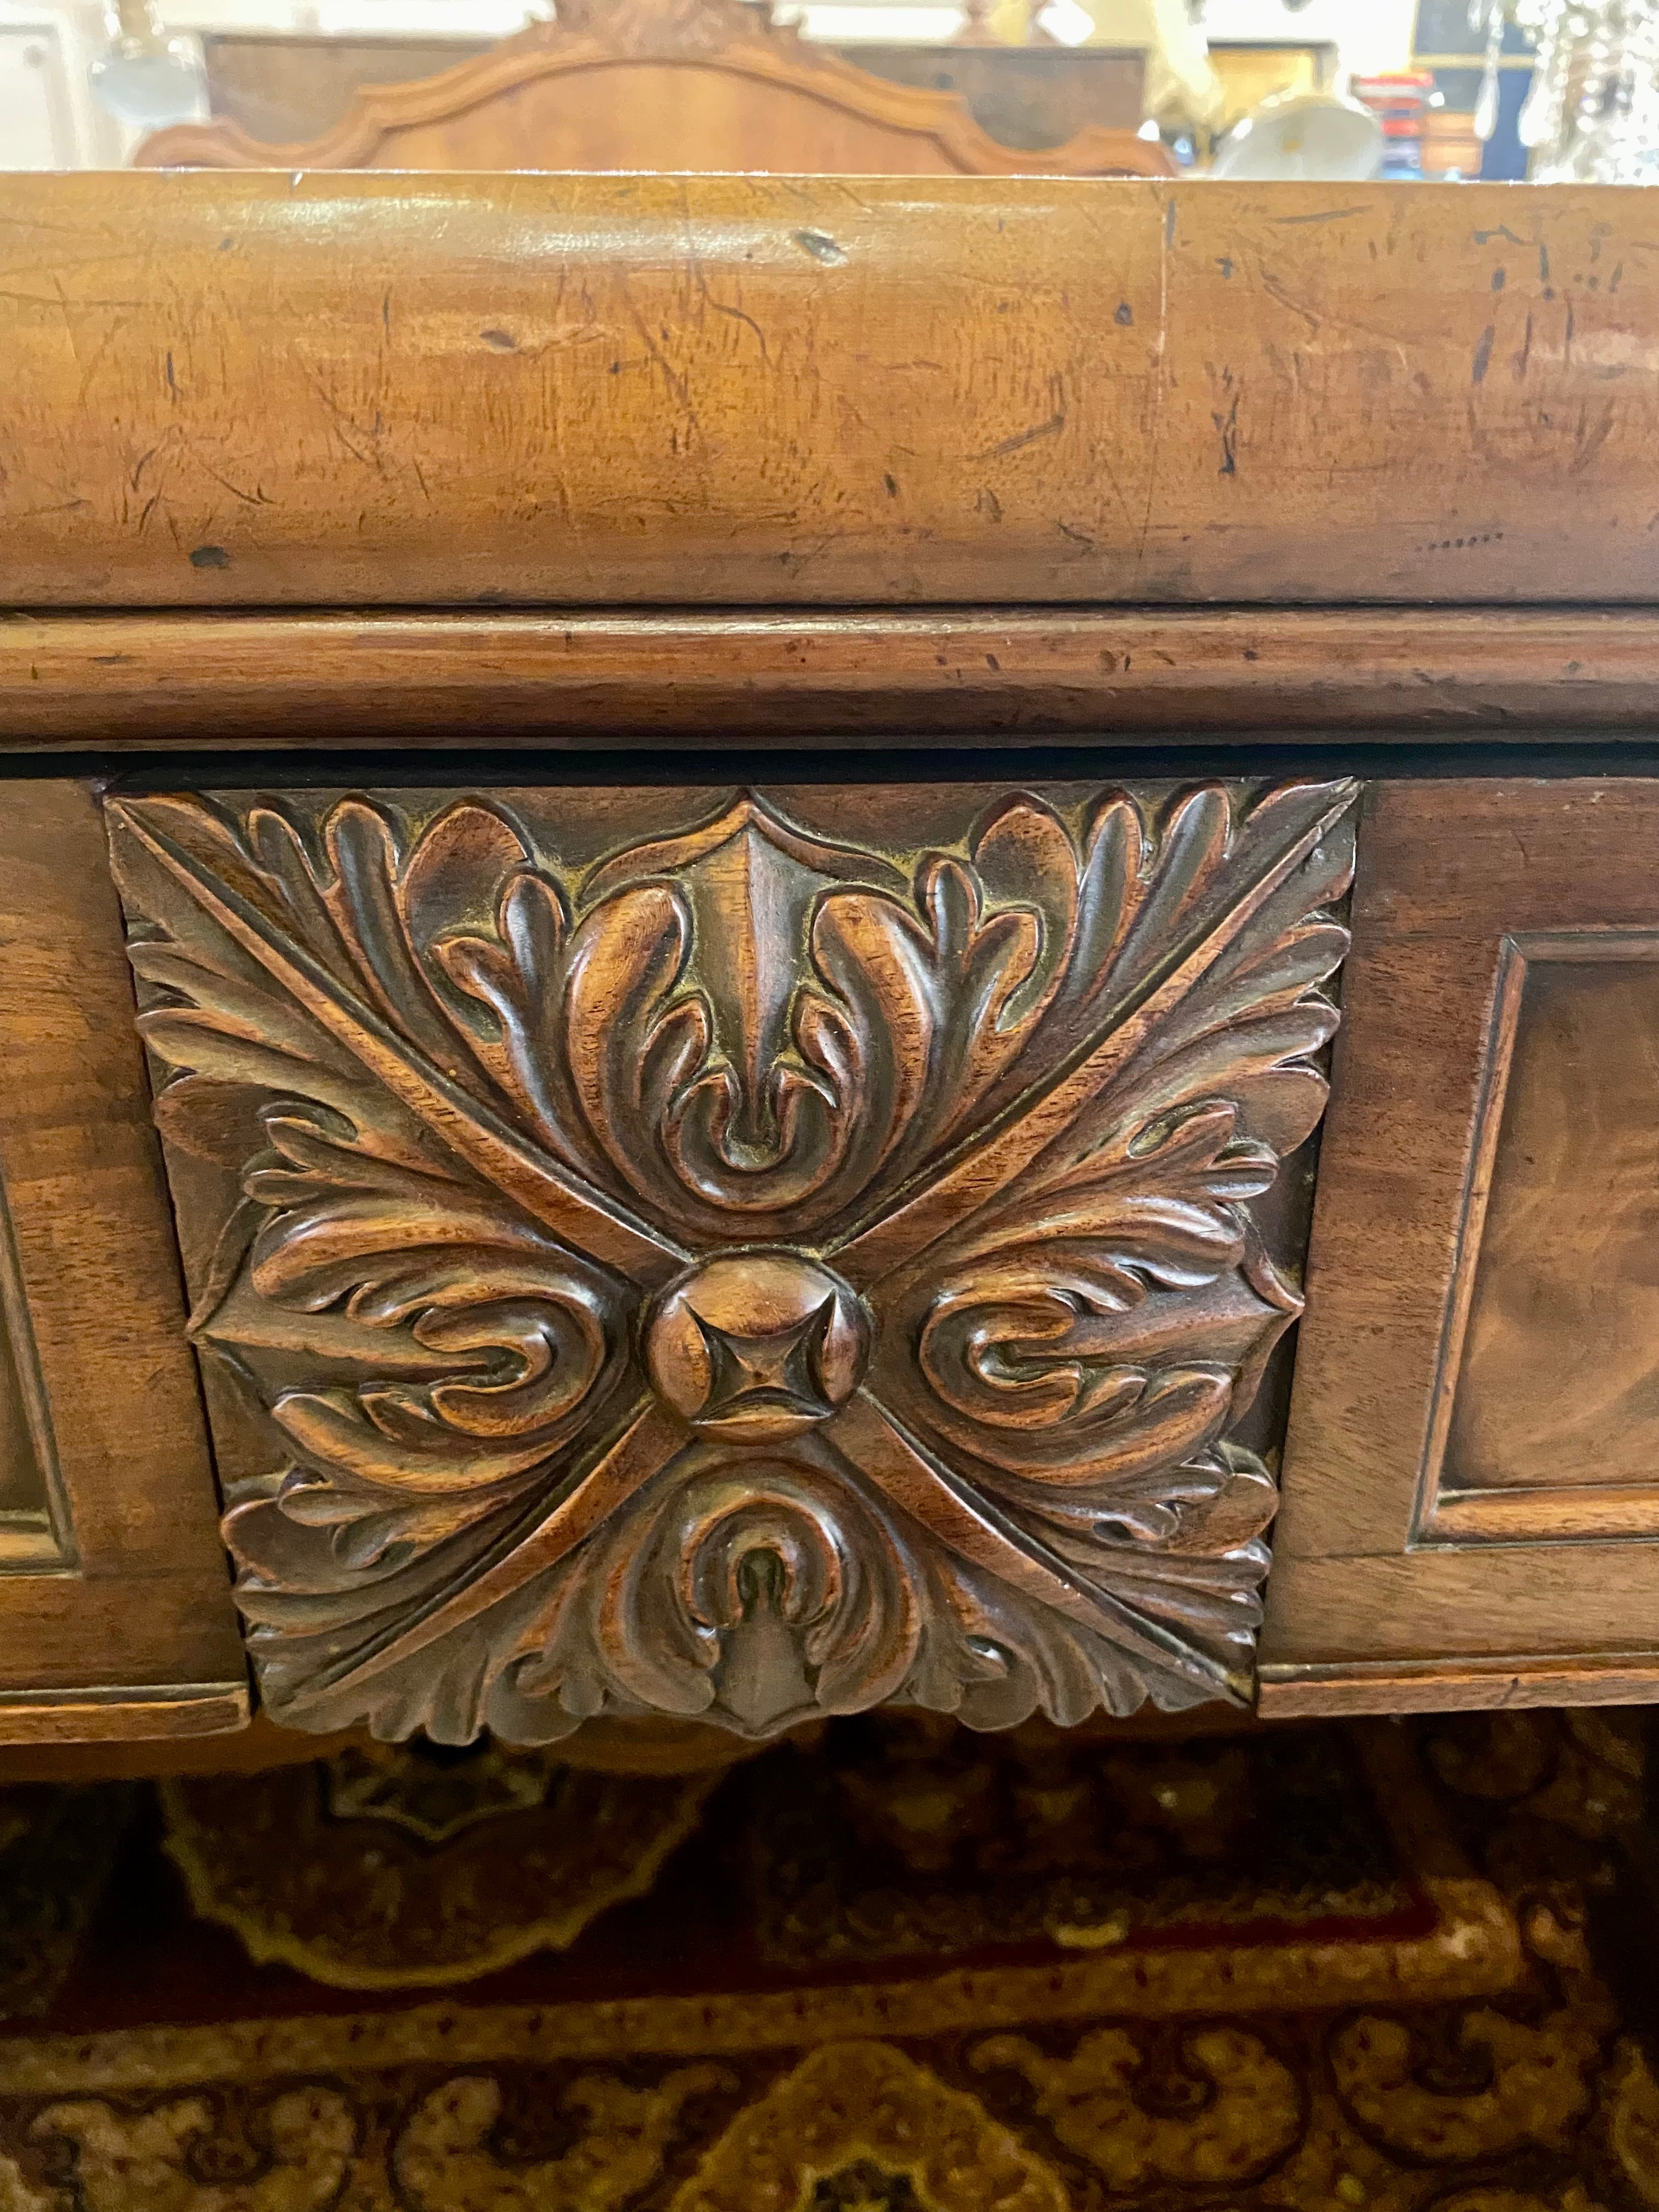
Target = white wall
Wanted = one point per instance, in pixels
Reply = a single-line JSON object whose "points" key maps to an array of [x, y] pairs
{"points": [[48, 118], [1369, 34]]}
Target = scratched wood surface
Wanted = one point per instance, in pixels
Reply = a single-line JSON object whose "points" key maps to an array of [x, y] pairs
{"points": [[259, 389]]}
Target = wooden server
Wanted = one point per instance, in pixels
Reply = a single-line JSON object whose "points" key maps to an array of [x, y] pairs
{"points": [[684, 866]]}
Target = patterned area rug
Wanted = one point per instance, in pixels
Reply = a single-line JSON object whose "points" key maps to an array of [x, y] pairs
{"points": [[899, 1969]]}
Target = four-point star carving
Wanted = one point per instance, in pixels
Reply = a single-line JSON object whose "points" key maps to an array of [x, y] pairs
{"points": [[758, 1345], [765, 1386], [742, 1271]]}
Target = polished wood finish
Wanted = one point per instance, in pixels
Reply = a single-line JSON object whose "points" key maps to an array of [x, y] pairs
{"points": [[647, 85], [1469, 1515], [118, 1622], [379, 391], [389, 681], [34, 1527], [712, 1253]]}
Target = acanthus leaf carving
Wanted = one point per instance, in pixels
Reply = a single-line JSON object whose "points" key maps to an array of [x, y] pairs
{"points": [[748, 1274]]}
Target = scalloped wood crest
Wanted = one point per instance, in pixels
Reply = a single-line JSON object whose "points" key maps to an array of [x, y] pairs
{"points": [[752, 95]]}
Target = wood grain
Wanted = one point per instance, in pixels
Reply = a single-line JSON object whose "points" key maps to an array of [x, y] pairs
{"points": [[1388, 1566], [132, 1631], [773, 1265], [306, 681], [355, 390], [652, 85]]}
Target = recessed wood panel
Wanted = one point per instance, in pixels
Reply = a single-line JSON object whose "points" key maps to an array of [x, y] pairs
{"points": [[115, 1611], [33, 1522], [1471, 1500], [1554, 1385]]}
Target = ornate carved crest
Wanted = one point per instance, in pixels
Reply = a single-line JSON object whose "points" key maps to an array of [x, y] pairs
{"points": [[740, 1273], [666, 26]]}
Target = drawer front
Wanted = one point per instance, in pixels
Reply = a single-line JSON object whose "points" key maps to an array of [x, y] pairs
{"points": [[740, 1255], [1472, 1472], [116, 1618]]}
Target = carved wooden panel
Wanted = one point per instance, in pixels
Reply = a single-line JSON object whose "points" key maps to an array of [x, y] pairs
{"points": [[1471, 1487], [743, 1255]]}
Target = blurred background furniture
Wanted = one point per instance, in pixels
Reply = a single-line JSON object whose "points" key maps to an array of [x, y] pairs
{"points": [[664, 85], [288, 87]]}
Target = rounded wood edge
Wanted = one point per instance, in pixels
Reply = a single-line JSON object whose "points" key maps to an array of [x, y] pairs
{"points": [[1343, 1690], [398, 681], [68, 1717], [378, 112]]}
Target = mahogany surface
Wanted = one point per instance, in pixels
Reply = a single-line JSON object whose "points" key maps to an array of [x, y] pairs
{"points": [[113, 1606], [1469, 1512]]}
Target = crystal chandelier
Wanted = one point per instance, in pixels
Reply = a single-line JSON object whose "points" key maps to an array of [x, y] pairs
{"points": [[1592, 114]]}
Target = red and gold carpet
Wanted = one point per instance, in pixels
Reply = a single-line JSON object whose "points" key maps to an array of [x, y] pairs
{"points": [[898, 1969]]}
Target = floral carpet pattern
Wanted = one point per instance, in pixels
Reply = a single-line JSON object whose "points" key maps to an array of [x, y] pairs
{"points": [[898, 1969]]}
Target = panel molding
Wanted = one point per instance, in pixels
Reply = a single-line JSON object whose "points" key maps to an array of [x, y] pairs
{"points": [[123, 1624], [1312, 1691], [1534, 1513], [32, 1538], [136, 1712], [1511, 1599], [963, 678]]}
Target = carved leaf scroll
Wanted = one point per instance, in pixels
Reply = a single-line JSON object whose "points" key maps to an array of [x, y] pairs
{"points": [[745, 1274]]}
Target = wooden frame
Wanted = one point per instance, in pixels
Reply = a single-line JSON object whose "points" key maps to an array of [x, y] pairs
{"points": [[116, 1619], [1382, 1565], [358, 474], [771, 95]]}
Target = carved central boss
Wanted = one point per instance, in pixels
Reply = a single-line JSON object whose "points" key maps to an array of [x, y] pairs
{"points": [[743, 1272]]}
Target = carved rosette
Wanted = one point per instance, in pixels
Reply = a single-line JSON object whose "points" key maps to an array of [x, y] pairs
{"points": [[746, 1275]]}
